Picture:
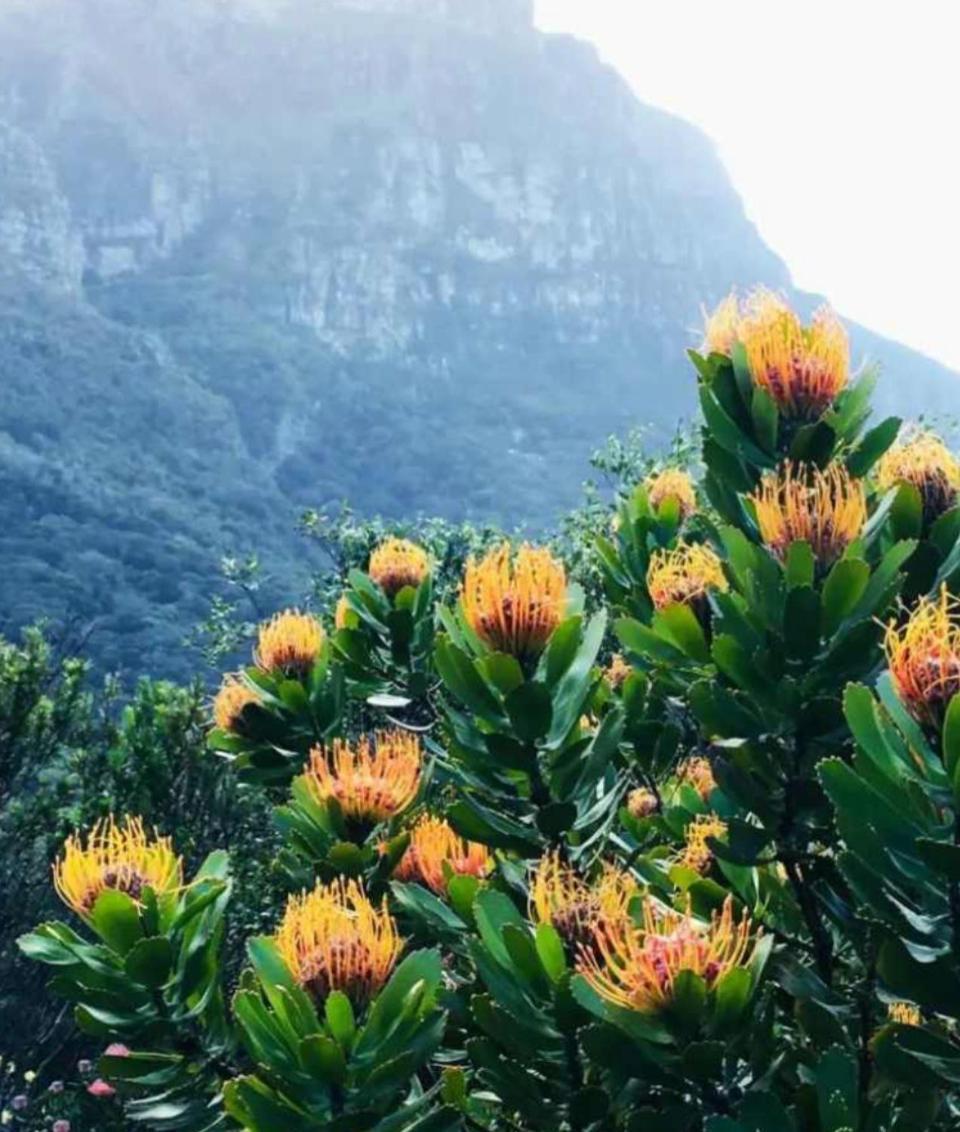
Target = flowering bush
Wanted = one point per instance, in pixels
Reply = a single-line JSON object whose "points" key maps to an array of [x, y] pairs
{"points": [[682, 857]]}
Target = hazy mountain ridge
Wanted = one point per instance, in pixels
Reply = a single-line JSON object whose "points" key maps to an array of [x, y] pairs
{"points": [[255, 256]]}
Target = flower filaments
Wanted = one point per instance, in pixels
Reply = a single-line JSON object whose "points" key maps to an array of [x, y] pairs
{"points": [[698, 773], [229, 704], [803, 368], [617, 671], [576, 909], [684, 575], [343, 615], [925, 462], [289, 644], [924, 657], [397, 563], [371, 780], [904, 1014], [696, 853], [514, 603], [827, 509], [642, 802], [436, 850], [636, 967], [721, 326], [115, 855], [334, 938], [673, 483]]}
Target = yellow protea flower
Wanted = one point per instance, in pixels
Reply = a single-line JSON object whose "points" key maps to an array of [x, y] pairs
{"points": [[642, 802], [721, 326], [636, 966], [514, 603], [229, 702], [925, 462], [684, 576], [372, 780], [696, 854], [435, 849], [698, 773], [397, 563], [617, 671], [576, 909], [289, 643], [827, 509], [334, 938], [343, 615], [924, 657], [904, 1014], [673, 483], [117, 855]]}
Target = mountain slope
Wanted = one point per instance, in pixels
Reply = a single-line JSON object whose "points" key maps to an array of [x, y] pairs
{"points": [[258, 256]]}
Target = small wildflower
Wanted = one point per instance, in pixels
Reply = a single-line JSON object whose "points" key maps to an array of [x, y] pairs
{"points": [[697, 854], [435, 849], [684, 576], [616, 672], [904, 1014], [575, 908], [398, 563], [673, 483], [372, 779], [698, 773], [100, 1088], [289, 644], [924, 657], [925, 462], [641, 802], [229, 704]]}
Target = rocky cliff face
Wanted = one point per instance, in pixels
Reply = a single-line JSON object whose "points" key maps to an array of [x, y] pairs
{"points": [[412, 252]]}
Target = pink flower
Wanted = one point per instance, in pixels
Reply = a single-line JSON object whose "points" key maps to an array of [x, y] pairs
{"points": [[100, 1088], [61, 1126], [116, 1049]]}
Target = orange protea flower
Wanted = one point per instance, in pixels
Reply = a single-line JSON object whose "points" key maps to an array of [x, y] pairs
{"points": [[827, 509], [636, 967], [641, 802], [924, 657], [684, 575], [576, 909], [343, 615], [617, 671], [436, 850], [721, 326], [229, 702], [803, 368], [925, 462], [673, 483], [333, 938], [397, 563], [696, 854], [115, 855], [289, 643], [371, 781], [514, 605], [904, 1014], [698, 773]]}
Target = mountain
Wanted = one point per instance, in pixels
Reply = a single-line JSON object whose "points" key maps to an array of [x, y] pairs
{"points": [[262, 254]]}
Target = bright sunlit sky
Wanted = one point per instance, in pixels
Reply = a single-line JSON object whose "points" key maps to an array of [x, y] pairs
{"points": [[839, 124]]}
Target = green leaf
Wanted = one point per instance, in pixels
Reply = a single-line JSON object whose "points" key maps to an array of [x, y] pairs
{"points": [[872, 447], [502, 671], [460, 675], [763, 410], [530, 709], [339, 1016], [550, 949], [679, 623], [951, 737], [323, 1058], [149, 961], [117, 920], [800, 564], [842, 590]]}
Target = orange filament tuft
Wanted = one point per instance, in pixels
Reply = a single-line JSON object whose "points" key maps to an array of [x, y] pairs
{"points": [[343, 616], [684, 576], [436, 850], [800, 503], [371, 781], [697, 854], [673, 483], [925, 462], [721, 326], [119, 856], [636, 967], [924, 657], [229, 704], [398, 563], [642, 802], [576, 909], [616, 672], [289, 644], [513, 604], [698, 773], [334, 938], [904, 1014]]}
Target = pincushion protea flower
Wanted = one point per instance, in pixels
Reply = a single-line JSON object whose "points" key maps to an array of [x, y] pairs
{"points": [[800, 503], [904, 1014], [576, 909], [697, 854], [342, 615], [289, 644], [684, 576], [673, 483], [617, 671], [229, 703], [925, 462], [803, 368], [924, 657], [397, 563], [698, 773], [115, 855], [372, 780], [435, 849], [334, 938], [514, 603], [636, 966], [642, 802]]}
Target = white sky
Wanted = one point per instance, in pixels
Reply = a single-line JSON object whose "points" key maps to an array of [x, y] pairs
{"points": [[839, 124]]}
